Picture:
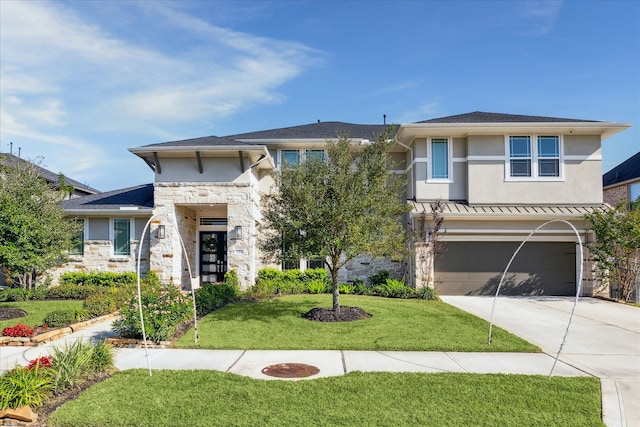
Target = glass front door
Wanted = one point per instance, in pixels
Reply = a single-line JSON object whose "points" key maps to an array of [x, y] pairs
{"points": [[213, 256]]}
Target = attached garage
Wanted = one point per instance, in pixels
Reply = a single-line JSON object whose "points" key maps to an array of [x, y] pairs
{"points": [[475, 268]]}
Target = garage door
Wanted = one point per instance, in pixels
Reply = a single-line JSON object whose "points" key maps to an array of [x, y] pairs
{"points": [[475, 268]]}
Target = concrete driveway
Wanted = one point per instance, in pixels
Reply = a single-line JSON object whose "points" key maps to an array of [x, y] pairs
{"points": [[603, 340]]}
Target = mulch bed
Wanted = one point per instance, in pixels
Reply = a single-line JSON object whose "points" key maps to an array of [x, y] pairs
{"points": [[346, 314], [11, 313]]}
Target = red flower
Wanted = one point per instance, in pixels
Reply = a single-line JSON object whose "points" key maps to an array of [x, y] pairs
{"points": [[18, 330], [41, 362]]}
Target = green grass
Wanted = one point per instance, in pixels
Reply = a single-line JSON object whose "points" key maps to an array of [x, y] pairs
{"points": [[396, 324], [37, 310], [210, 398]]}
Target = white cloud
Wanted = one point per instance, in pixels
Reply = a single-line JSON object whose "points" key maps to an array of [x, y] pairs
{"points": [[70, 80], [542, 15], [425, 111]]}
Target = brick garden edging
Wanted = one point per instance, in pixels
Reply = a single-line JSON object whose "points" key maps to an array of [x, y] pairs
{"points": [[53, 334]]}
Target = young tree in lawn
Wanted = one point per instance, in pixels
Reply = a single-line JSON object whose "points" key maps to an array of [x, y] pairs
{"points": [[617, 247], [34, 233], [337, 208]]}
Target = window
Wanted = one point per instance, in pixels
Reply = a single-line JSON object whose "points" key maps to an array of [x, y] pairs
{"points": [[548, 156], [121, 236], [77, 243], [634, 192], [440, 158], [520, 155], [314, 154], [539, 160], [292, 157]]}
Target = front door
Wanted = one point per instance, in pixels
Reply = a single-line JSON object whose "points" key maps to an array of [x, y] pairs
{"points": [[213, 256]]}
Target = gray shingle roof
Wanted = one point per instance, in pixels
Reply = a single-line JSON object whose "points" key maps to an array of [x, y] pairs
{"points": [[320, 130], [625, 171], [212, 141], [484, 117], [51, 177], [140, 196]]}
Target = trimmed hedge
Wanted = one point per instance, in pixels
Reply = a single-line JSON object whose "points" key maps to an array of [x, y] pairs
{"points": [[98, 278]]}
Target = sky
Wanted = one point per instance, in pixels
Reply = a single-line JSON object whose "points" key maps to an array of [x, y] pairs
{"points": [[82, 81]]}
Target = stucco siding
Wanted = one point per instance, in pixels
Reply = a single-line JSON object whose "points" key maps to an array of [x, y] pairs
{"points": [[226, 169]]}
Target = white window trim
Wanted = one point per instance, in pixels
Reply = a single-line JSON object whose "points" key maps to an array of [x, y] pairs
{"points": [[132, 233], [534, 160], [430, 177], [302, 152]]}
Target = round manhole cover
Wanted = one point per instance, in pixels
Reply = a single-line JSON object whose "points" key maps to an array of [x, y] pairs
{"points": [[290, 370]]}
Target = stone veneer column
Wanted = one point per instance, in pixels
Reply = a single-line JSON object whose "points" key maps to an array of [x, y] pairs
{"points": [[423, 271]]}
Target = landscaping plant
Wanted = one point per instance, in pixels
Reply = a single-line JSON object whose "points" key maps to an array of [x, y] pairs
{"points": [[164, 309], [25, 386], [18, 330]]}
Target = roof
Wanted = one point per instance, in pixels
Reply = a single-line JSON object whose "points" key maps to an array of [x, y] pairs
{"points": [[51, 177], [484, 117], [206, 141], [461, 209], [319, 130], [126, 199], [625, 171]]}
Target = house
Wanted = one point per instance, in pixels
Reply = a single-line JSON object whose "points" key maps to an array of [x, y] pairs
{"points": [[53, 179], [499, 175], [622, 183]]}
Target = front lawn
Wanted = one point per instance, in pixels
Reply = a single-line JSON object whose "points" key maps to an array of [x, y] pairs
{"points": [[210, 398], [396, 324], [37, 310]]}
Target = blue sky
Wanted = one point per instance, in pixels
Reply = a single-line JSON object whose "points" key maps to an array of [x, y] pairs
{"points": [[82, 81]]}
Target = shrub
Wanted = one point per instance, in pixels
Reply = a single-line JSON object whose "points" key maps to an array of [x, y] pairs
{"points": [[99, 304], [380, 278], [24, 386], [393, 289], [164, 309], [362, 288], [231, 279], [345, 288], [40, 293], [97, 278], [291, 282], [70, 365], [102, 358], [15, 295], [317, 286], [151, 278], [314, 274], [59, 318], [18, 330], [72, 291], [262, 289], [212, 296], [427, 293]]}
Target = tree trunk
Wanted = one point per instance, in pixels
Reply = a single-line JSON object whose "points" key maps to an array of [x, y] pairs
{"points": [[336, 291]]}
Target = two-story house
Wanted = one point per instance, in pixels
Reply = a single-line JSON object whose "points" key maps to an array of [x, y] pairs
{"points": [[622, 183], [499, 175]]}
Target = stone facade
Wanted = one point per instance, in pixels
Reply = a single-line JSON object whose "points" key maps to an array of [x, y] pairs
{"points": [[177, 205], [98, 256], [363, 267]]}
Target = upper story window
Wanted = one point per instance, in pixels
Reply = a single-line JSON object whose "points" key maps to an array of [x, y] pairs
{"points": [[294, 157], [440, 165], [121, 236], [534, 160]]}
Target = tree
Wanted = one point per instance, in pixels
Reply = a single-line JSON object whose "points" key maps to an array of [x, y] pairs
{"points": [[34, 233], [617, 246], [337, 208]]}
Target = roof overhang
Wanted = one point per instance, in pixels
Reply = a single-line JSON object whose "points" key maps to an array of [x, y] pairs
{"points": [[151, 155], [126, 212], [408, 132]]}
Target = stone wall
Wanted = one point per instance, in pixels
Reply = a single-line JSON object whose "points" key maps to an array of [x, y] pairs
{"points": [[363, 267], [98, 256]]}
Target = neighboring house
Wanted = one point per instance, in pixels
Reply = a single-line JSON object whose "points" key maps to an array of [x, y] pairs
{"points": [[53, 179], [622, 183], [500, 176]]}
